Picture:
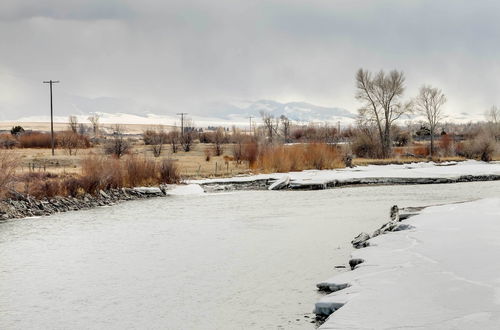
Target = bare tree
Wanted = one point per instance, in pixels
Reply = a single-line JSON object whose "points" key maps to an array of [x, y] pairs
{"points": [[187, 141], [117, 145], [219, 140], [70, 141], [94, 121], [73, 124], [187, 137], [429, 103], [270, 124], [158, 139], [285, 127], [493, 114], [173, 138], [382, 105], [82, 129], [493, 118]]}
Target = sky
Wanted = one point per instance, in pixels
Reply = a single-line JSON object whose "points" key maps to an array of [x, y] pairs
{"points": [[172, 56]]}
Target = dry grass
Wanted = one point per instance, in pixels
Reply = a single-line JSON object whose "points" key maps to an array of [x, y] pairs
{"points": [[99, 172], [9, 162], [298, 157], [402, 160], [35, 140]]}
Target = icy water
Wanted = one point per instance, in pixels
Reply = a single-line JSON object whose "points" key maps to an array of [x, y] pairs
{"points": [[242, 260]]}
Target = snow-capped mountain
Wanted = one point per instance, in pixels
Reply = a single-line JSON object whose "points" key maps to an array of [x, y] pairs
{"points": [[213, 114], [296, 111]]}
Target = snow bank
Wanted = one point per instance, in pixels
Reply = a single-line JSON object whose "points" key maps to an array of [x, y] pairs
{"points": [[442, 274], [189, 189], [149, 190], [394, 173]]}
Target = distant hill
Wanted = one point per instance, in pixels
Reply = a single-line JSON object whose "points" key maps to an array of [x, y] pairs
{"points": [[225, 114], [296, 111]]}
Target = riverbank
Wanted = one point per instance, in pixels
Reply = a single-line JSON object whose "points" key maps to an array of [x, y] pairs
{"points": [[26, 206], [439, 273], [402, 174], [396, 174]]}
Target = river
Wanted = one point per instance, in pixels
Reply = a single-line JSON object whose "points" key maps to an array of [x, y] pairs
{"points": [[239, 260]]}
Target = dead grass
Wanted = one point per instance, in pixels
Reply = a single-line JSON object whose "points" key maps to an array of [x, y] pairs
{"points": [[298, 157], [402, 160], [36, 140]]}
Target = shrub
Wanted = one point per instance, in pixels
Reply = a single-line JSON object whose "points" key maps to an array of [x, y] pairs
{"points": [[101, 173], [421, 150], [208, 154], [139, 171], [365, 145], [250, 152], [46, 188], [72, 141], [36, 140], [446, 144], [117, 146], [16, 130], [299, 157], [9, 163], [7, 141], [169, 172], [482, 147]]}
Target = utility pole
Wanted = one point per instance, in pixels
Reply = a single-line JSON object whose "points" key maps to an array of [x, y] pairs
{"points": [[50, 82], [182, 114]]}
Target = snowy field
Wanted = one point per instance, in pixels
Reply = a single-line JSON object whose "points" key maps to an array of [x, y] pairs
{"points": [[413, 170], [442, 274]]}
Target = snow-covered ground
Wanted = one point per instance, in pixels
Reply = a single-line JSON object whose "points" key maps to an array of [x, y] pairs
{"points": [[444, 273], [413, 170]]}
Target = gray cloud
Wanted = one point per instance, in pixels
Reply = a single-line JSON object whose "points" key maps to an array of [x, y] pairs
{"points": [[64, 10], [177, 55]]}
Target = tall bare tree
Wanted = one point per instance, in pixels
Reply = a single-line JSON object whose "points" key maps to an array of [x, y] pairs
{"points": [[270, 123], [219, 138], [118, 145], [73, 124], [382, 102], [285, 127], [493, 118], [94, 120], [158, 138], [174, 138], [429, 103]]}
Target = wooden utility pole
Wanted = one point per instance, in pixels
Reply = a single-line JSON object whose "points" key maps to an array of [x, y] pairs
{"points": [[50, 82], [182, 114]]}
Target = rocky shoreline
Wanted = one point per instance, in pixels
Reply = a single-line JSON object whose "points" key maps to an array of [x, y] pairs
{"points": [[325, 307], [26, 206]]}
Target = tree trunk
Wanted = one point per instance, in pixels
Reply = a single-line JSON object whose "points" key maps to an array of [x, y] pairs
{"points": [[432, 143]]}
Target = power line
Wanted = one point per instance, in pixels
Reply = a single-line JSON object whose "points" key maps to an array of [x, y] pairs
{"points": [[50, 82]]}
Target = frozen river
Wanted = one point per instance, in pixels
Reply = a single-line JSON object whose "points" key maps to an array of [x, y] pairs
{"points": [[241, 260]]}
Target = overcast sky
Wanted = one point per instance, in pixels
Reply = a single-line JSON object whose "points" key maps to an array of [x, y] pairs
{"points": [[168, 56]]}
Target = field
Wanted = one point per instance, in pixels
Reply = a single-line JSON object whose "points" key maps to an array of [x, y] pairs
{"points": [[191, 164]]}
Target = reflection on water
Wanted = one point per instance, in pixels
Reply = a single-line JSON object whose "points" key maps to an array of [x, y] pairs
{"points": [[243, 260]]}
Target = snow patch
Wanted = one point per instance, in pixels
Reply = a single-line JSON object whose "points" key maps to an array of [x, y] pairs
{"points": [[280, 183], [442, 274], [189, 189], [391, 172]]}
